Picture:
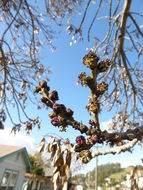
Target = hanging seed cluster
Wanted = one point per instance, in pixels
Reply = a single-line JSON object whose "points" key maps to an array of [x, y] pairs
{"points": [[61, 116]]}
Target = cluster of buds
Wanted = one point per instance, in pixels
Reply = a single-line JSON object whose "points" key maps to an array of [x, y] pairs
{"points": [[93, 139], [85, 156], [62, 117], [90, 60], [80, 140], [49, 97], [54, 95], [104, 65], [101, 88], [62, 110], [58, 121], [60, 113], [93, 107], [83, 79]]}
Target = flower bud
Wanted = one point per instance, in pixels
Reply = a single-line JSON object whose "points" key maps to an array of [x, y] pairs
{"points": [[101, 88], [43, 84], [54, 95], [69, 112], [90, 60], [59, 108], [55, 121], [80, 139], [104, 65], [86, 156]]}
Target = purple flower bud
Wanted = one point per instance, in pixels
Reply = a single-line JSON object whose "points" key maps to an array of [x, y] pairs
{"points": [[80, 139], [54, 95], [55, 121], [91, 122], [59, 108]]}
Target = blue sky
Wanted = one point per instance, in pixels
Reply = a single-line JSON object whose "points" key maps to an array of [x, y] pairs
{"points": [[66, 64]]}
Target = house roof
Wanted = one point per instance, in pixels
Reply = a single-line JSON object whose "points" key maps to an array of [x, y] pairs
{"points": [[8, 150]]}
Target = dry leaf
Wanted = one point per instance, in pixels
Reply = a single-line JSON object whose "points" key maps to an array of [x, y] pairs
{"points": [[42, 145]]}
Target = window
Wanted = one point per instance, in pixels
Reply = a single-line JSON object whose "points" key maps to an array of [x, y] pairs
{"points": [[9, 180]]}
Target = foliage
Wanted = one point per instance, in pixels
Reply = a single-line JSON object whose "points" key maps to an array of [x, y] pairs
{"points": [[112, 172], [37, 164], [105, 171]]}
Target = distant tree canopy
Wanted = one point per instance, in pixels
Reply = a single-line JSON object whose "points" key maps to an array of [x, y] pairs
{"points": [[37, 164]]}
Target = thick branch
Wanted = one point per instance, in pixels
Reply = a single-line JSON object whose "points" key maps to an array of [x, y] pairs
{"points": [[116, 150]]}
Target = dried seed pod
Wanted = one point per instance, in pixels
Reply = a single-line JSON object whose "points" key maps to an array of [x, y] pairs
{"points": [[90, 60]]}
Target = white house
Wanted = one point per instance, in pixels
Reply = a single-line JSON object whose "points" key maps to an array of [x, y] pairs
{"points": [[14, 163]]}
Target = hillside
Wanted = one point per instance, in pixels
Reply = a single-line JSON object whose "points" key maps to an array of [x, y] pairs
{"points": [[108, 172]]}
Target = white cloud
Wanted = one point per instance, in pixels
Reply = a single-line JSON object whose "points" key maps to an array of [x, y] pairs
{"points": [[105, 125], [20, 139]]}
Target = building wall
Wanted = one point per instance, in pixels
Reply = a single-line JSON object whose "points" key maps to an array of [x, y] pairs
{"points": [[14, 162], [39, 185]]}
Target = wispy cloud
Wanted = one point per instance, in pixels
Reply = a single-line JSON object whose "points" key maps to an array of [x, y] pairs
{"points": [[20, 139]]}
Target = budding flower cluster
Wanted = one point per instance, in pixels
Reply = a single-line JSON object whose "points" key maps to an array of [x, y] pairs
{"points": [[80, 139], [104, 65], [90, 60], [93, 107], [86, 156], [101, 88], [83, 79], [54, 96]]}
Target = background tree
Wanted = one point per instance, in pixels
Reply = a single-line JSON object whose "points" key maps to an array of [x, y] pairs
{"points": [[37, 164], [25, 29]]}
